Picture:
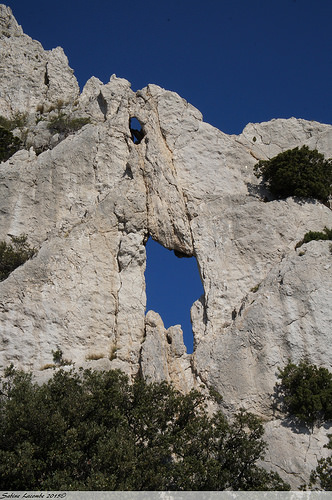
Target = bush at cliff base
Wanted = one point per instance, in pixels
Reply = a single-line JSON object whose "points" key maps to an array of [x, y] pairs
{"points": [[90, 430]]}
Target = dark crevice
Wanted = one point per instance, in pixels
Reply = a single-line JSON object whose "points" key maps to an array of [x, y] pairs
{"points": [[46, 77], [136, 130], [102, 103], [128, 172], [181, 255]]}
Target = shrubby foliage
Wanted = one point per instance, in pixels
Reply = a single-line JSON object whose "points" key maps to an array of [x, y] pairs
{"points": [[94, 431], [14, 254], [63, 124], [306, 392], [9, 143], [322, 475], [315, 235], [18, 121], [297, 172]]}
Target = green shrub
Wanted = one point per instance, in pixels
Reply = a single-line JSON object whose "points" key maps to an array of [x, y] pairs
{"points": [[14, 254], [306, 392], [18, 121], [9, 144], [63, 124], [6, 123], [322, 475], [95, 431], [58, 358], [315, 235], [297, 172]]}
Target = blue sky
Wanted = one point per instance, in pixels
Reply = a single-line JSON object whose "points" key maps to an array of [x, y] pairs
{"points": [[237, 61]]}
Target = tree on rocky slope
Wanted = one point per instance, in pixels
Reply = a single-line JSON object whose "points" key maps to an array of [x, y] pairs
{"points": [[297, 172], [94, 431], [305, 392]]}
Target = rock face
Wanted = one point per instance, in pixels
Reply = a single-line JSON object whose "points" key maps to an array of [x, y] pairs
{"points": [[93, 197], [31, 76]]}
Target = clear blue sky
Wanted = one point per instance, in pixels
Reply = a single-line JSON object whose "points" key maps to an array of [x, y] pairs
{"points": [[237, 61]]}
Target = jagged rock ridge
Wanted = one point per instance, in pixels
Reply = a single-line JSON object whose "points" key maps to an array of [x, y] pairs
{"points": [[90, 200]]}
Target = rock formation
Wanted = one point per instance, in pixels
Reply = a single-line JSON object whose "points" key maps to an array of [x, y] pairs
{"points": [[91, 198]]}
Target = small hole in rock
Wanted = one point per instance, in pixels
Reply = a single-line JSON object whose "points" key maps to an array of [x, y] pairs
{"points": [[136, 130], [128, 172]]}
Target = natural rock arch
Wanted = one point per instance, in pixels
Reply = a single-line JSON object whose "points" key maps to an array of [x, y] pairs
{"points": [[172, 285]]}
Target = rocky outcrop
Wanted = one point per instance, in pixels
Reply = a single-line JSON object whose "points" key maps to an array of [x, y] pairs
{"points": [[93, 197], [164, 356], [31, 77], [286, 315]]}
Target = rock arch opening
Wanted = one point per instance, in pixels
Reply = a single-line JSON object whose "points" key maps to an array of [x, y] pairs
{"points": [[136, 130], [172, 286]]}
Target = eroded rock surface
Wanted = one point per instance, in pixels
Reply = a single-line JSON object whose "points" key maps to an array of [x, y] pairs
{"points": [[30, 75], [92, 198]]}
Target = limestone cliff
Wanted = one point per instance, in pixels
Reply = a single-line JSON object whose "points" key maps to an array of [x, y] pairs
{"points": [[91, 198]]}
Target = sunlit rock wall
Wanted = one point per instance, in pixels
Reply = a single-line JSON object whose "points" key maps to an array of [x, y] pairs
{"points": [[88, 202]]}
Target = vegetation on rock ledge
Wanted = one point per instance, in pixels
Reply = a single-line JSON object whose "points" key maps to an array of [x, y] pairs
{"points": [[9, 143], [297, 172], [14, 254], [306, 392], [63, 124], [315, 236]]}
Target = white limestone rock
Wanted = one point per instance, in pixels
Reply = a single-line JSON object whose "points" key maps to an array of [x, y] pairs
{"points": [[286, 316], [293, 451], [164, 356], [289, 133], [8, 24], [30, 76], [89, 202]]}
